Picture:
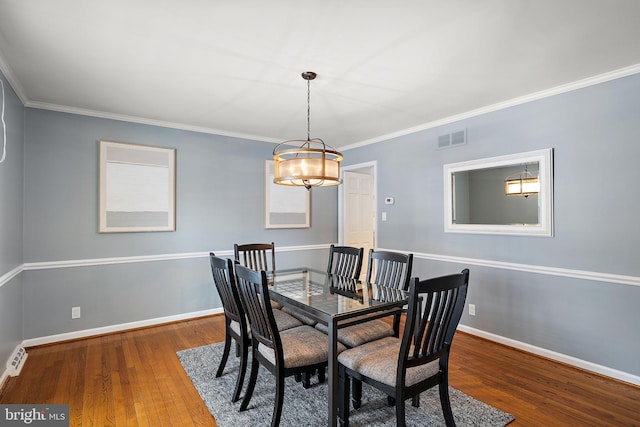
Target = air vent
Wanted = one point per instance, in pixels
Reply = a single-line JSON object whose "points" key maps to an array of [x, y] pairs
{"points": [[15, 364], [453, 139], [444, 141], [459, 137]]}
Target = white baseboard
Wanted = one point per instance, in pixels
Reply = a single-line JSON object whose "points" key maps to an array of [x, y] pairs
{"points": [[104, 330], [117, 328], [3, 378], [558, 357]]}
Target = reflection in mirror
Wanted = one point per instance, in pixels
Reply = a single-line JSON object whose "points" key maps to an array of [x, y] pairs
{"points": [[476, 199], [479, 198]]}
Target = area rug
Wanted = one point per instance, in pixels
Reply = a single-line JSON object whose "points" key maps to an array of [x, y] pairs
{"points": [[309, 407]]}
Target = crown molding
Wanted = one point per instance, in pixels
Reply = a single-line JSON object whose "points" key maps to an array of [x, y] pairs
{"points": [[12, 80], [579, 84], [146, 121]]}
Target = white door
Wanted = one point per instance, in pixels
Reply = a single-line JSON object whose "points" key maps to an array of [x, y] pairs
{"points": [[359, 211]]}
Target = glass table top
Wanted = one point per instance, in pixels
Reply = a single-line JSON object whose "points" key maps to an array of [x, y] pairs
{"points": [[331, 295]]}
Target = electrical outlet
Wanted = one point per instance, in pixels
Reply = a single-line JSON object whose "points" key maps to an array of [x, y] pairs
{"points": [[75, 312], [472, 309]]}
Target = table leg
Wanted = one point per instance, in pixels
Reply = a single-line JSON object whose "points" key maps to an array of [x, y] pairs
{"points": [[333, 373]]}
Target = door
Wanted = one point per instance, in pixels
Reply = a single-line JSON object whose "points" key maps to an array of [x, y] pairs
{"points": [[359, 211]]}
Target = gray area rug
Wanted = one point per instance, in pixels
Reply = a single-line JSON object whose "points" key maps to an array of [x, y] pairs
{"points": [[309, 407]]}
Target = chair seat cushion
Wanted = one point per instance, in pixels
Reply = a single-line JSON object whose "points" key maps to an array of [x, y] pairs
{"points": [[301, 346], [379, 360], [276, 305], [285, 321], [301, 317], [235, 327], [355, 335]]}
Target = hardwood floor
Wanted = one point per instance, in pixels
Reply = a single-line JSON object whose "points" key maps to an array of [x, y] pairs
{"points": [[135, 379]]}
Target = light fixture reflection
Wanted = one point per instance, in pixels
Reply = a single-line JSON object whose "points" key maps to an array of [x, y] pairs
{"points": [[525, 184]]}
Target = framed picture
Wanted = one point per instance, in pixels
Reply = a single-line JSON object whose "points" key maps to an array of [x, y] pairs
{"points": [[137, 188], [284, 206]]}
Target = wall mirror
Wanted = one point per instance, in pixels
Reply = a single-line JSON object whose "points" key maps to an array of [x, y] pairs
{"points": [[510, 194]]}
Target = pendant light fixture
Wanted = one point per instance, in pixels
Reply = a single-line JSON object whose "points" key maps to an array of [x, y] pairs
{"points": [[312, 163], [525, 184]]}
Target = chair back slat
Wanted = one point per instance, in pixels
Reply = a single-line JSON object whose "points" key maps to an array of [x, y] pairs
{"points": [[391, 269], [345, 261], [254, 294], [256, 256], [434, 311], [224, 280], [439, 320]]}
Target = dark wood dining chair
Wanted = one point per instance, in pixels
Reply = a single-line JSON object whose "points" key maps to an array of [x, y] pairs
{"points": [[390, 269], [234, 318], [345, 261], [284, 353], [236, 327], [384, 268], [405, 367], [256, 256]]}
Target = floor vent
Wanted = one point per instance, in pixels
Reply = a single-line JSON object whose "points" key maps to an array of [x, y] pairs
{"points": [[453, 139], [15, 364]]}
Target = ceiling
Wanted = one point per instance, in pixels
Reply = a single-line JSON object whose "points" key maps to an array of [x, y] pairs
{"points": [[384, 68]]}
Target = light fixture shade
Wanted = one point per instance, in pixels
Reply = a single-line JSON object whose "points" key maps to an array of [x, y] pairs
{"points": [[313, 164]]}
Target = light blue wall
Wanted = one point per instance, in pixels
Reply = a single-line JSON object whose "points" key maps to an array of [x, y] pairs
{"points": [[11, 185], [595, 134], [220, 201]]}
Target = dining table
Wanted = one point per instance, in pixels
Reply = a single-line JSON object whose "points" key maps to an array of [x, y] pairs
{"points": [[337, 302]]}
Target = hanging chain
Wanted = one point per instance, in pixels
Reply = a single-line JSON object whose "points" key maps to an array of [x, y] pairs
{"points": [[308, 110]]}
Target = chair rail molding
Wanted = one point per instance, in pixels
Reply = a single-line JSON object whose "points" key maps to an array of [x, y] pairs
{"points": [[530, 268], [45, 265], [6, 278]]}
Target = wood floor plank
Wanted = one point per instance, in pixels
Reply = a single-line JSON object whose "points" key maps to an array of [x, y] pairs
{"points": [[134, 378]]}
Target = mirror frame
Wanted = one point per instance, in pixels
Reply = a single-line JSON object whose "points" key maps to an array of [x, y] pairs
{"points": [[544, 228]]}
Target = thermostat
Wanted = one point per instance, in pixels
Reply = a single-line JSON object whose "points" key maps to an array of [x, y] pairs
{"points": [[388, 200]]}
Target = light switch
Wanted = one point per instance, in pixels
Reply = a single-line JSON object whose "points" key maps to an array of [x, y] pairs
{"points": [[384, 216]]}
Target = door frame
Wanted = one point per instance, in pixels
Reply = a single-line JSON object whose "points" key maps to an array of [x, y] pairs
{"points": [[372, 167]]}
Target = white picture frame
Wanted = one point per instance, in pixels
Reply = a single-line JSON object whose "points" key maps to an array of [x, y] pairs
{"points": [[285, 206], [137, 188]]}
